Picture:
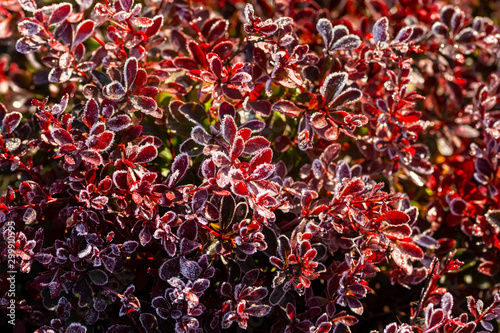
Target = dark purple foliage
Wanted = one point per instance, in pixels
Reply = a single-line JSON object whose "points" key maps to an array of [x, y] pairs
{"points": [[270, 166]]}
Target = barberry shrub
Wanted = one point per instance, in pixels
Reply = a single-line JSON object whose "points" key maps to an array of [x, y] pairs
{"points": [[272, 166]]}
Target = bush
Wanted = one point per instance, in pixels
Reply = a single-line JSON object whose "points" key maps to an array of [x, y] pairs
{"points": [[204, 166]]}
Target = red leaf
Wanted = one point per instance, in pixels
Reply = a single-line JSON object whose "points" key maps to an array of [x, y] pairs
{"points": [[174, 88], [217, 29], [409, 117], [147, 105], [411, 250], [142, 22], [130, 71], [10, 122], [215, 65], [103, 141], [287, 107], [91, 113], [122, 179], [318, 120], [226, 108], [146, 154], [236, 148], [398, 231], [84, 31], [354, 186], [488, 268], [92, 157], [394, 217], [197, 54], [256, 144], [155, 27], [185, 63], [263, 171], [61, 136], [60, 13], [240, 188], [404, 35], [229, 129], [265, 156], [223, 49]]}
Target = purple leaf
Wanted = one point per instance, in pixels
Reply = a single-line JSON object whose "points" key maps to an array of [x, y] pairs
{"points": [[188, 246], [126, 5], [251, 277], [188, 229], [349, 96], [190, 269], [114, 91], [76, 328], [348, 42], [119, 122], [262, 107], [169, 269], [60, 75], [440, 29], [483, 166], [493, 218], [325, 28], [98, 277], [193, 112], [179, 168], [333, 86], [28, 5], [148, 322], [343, 171], [380, 30], [27, 45], [199, 200], [129, 246], [200, 136], [109, 263]]}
